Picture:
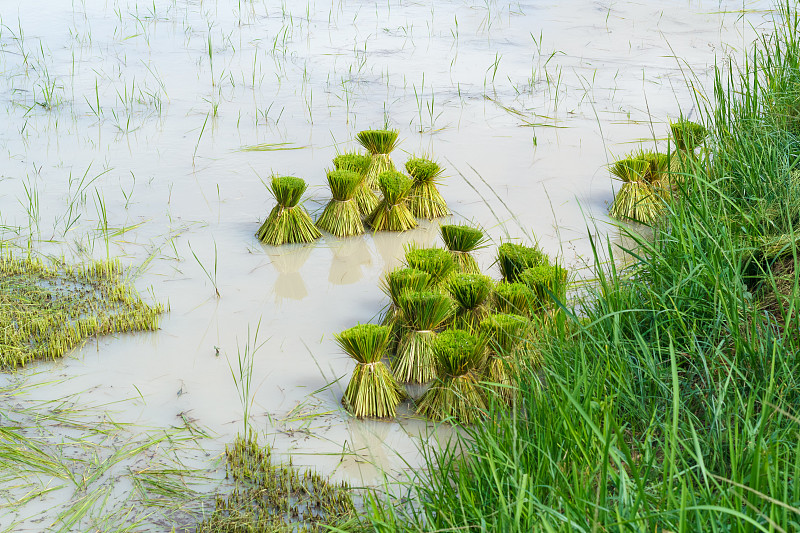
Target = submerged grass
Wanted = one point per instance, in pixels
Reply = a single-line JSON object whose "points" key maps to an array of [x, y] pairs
{"points": [[667, 398]]}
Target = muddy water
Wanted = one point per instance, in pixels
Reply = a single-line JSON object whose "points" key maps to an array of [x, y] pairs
{"points": [[141, 110]]}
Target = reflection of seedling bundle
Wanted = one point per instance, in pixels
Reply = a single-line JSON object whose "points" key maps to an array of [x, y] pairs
{"points": [[364, 197], [436, 262], [349, 255], [392, 213], [548, 283], [461, 240], [380, 144], [514, 298], [687, 136], [636, 199], [423, 313], [288, 222], [424, 199], [471, 294], [373, 390], [457, 393], [514, 258], [506, 336], [287, 263], [341, 216], [395, 285]]}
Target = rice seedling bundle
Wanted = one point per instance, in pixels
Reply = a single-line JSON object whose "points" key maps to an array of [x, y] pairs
{"points": [[288, 222], [423, 312], [461, 240], [341, 216], [514, 258], [548, 283], [424, 199], [471, 295], [636, 199], [373, 391], [366, 199], [506, 335], [394, 285], [687, 135], [514, 298], [457, 393], [380, 144], [392, 213], [438, 263]]}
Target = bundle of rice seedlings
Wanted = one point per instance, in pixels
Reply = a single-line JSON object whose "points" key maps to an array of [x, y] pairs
{"points": [[380, 144], [514, 298], [506, 335], [438, 263], [373, 391], [457, 394], [392, 213], [424, 200], [394, 285], [636, 199], [461, 240], [423, 313], [471, 294], [548, 284], [288, 222], [341, 216], [514, 258], [687, 136], [364, 197]]}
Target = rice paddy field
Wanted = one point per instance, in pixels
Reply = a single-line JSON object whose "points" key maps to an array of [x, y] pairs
{"points": [[146, 135]]}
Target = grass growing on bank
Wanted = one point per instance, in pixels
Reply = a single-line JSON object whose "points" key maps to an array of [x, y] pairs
{"points": [[671, 402]]}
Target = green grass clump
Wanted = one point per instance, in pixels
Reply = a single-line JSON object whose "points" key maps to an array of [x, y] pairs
{"points": [[457, 394], [423, 312], [438, 263], [288, 222], [373, 391], [514, 258], [48, 309], [514, 298], [637, 199], [341, 216], [379, 143], [392, 212], [548, 283], [462, 240], [424, 199], [471, 294], [366, 199]]}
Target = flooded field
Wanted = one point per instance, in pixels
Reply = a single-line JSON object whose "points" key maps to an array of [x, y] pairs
{"points": [[147, 131]]}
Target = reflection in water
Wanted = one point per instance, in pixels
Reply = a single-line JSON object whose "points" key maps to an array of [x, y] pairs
{"points": [[391, 245], [349, 255], [368, 447], [288, 260]]}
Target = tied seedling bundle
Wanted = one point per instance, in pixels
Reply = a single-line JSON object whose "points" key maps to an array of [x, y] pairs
{"points": [[366, 200], [341, 216], [436, 262], [636, 199], [514, 298], [394, 285], [379, 143], [461, 241], [288, 222], [456, 395], [392, 213], [548, 283], [506, 335], [471, 294], [687, 136], [424, 199], [514, 258], [423, 313], [373, 391]]}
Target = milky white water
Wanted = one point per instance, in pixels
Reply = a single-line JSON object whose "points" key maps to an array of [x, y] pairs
{"points": [[140, 109]]}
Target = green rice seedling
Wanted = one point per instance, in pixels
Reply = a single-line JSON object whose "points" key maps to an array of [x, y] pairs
{"points": [[636, 200], [288, 222], [392, 213], [438, 263], [548, 283], [514, 298], [424, 199], [471, 295], [462, 240], [380, 144], [514, 258], [373, 391], [457, 394], [423, 313], [657, 165], [687, 135], [394, 285], [366, 199], [506, 336], [341, 216]]}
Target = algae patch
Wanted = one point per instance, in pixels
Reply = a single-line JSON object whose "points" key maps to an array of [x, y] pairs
{"points": [[48, 309]]}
